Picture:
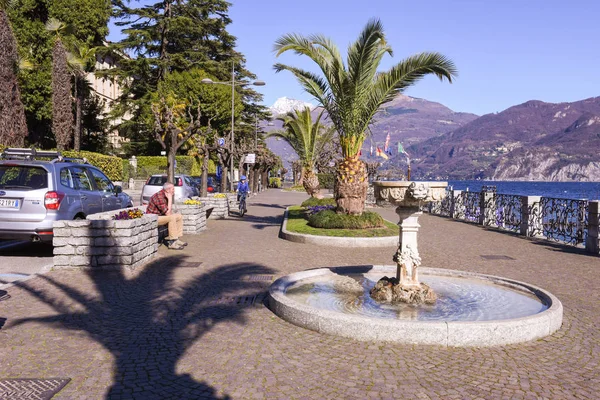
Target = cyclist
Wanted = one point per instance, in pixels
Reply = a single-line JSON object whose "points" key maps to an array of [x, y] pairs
{"points": [[242, 190]]}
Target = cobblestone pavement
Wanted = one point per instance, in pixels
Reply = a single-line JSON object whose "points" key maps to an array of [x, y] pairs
{"points": [[191, 324]]}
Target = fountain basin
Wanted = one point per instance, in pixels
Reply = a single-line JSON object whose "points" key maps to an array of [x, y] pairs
{"points": [[404, 328]]}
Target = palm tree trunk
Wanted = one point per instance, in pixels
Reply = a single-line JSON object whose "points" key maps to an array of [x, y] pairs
{"points": [[351, 185], [78, 111], [310, 181]]}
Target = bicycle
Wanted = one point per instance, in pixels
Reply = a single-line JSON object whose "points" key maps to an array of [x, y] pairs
{"points": [[242, 204]]}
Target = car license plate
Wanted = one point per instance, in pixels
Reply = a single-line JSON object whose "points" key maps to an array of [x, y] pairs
{"points": [[9, 203]]}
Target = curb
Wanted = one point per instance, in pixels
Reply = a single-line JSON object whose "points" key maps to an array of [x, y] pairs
{"points": [[333, 241]]}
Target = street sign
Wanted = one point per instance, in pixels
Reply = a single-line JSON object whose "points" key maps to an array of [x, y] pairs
{"points": [[250, 158], [221, 141]]}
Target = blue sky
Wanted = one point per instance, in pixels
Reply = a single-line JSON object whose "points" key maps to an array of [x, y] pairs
{"points": [[506, 51]]}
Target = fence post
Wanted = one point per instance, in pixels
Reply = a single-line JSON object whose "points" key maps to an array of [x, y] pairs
{"points": [[531, 216], [592, 241], [487, 208], [453, 195]]}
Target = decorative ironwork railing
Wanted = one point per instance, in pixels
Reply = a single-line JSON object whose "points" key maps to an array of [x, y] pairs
{"points": [[508, 211], [466, 206], [441, 207], [564, 220]]}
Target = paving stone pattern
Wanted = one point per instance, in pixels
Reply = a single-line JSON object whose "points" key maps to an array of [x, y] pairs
{"points": [[164, 332]]}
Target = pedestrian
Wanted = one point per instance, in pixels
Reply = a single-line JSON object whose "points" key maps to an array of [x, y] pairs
{"points": [[161, 203]]}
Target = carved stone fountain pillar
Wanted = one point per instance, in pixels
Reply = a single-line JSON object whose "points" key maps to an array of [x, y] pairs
{"points": [[409, 198]]}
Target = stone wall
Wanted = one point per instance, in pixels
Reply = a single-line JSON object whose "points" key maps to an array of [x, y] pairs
{"points": [[100, 242], [194, 217]]}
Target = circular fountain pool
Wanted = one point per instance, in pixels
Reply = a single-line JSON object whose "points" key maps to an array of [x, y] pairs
{"points": [[471, 310]]}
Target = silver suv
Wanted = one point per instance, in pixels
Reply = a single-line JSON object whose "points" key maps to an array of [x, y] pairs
{"points": [[184, 187], [35, 192]]}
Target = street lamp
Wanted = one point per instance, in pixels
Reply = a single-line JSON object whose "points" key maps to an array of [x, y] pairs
{"points": [[233, 83]]}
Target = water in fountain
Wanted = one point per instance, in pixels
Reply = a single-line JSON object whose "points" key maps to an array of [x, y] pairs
{"points": [[459, 299]]}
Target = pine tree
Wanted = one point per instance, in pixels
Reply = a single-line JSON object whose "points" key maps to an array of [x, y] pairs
{"points": [[13, 126], [172, 36]]}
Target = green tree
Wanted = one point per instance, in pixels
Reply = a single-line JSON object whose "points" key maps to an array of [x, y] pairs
{"points": [[353, 92], [88, 19], [171, 37], [308, 138], [13, 126]]}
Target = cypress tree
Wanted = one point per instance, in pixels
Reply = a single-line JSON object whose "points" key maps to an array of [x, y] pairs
{"points": [[13, 126]]}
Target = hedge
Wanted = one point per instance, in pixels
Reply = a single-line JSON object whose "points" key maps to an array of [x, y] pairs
{"points": [[326, 180], [112, 166], [189, 165]]}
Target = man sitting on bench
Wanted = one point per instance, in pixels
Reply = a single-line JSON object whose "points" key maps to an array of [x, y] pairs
{"points": [[161, 203]]}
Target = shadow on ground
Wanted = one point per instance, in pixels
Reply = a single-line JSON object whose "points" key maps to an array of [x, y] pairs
{"points": [[28, 249], [149, 321]]}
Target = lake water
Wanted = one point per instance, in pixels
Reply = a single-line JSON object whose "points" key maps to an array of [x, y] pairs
{"points": [[567, 190]]}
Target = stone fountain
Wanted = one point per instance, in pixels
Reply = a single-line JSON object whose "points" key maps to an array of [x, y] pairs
{"points": [[454, 308], [409, 198]]}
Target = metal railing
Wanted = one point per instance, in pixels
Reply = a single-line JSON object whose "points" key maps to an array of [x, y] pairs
{"points": [[568, 221]]}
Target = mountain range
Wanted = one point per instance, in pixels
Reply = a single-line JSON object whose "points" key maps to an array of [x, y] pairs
{"points": [[531, 141]]}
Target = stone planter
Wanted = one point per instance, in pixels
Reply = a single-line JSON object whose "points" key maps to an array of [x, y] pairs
{"points": [[194, 217], [104, 243], [216, 207]]}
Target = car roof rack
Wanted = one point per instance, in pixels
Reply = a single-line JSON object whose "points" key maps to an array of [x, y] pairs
{"points": [[33, 154]]}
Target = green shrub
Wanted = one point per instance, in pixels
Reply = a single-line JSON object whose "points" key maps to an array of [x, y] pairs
{"points": [[297, 188], [311, 202], [326, 180], [330, 220], [275, 182], [189, 165]]}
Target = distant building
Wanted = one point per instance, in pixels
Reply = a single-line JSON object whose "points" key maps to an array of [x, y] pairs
{"points": [[109, 91]]}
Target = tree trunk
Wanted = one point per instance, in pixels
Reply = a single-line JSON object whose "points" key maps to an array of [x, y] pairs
{"points": [[264, 179], [256, 174], [62, 103], [78, 111], [224, 172], [251, 178], [351, 185], [13, 125], [310, 181], [204, 190], [171, 164]]}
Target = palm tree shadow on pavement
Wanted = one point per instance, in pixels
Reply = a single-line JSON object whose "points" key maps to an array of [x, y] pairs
{"points": [[149, 321]]}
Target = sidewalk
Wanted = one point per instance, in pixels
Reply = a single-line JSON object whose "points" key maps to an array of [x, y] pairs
{"points": [[191, 324]]}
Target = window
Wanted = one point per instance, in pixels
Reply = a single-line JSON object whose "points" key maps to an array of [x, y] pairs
{"points": [[102, 182], [23, 177], [65, 178], [80, 178]]}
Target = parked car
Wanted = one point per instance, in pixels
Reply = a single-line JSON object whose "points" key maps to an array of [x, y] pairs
{"points": [[40, 187], [184, 187], [211, 184]]}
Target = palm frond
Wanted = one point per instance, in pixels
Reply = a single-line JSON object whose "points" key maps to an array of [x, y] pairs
{"points": [[6, 4]]}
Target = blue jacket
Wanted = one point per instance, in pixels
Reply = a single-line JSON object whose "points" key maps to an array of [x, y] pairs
{"points": [[242, 187]]}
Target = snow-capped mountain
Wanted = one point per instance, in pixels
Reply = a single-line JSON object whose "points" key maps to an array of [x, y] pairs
{"points": [[283, 105]]}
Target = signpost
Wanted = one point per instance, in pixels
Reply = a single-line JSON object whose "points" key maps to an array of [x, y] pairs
{"points": [[221, 142], [250, 158]]}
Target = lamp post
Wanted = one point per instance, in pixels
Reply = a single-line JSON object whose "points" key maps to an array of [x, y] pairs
{"points": [[233, 83]]}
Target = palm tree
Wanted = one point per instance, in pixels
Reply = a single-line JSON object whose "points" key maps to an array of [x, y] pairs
{"points": [[81, 61], [353, 92], [62, 104], [13, 126], [308, 139]]}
